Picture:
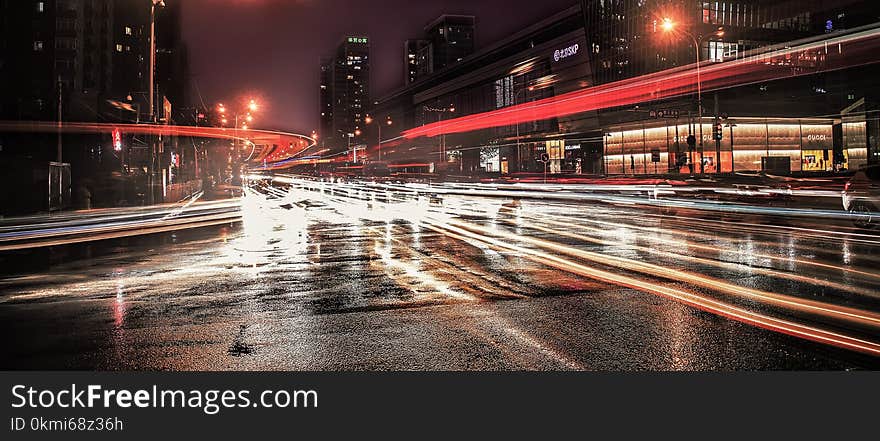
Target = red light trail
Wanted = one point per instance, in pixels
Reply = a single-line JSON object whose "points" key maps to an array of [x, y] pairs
{"points": [[776, 62], [279, 146]]}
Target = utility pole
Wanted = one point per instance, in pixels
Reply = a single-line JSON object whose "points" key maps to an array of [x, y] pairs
{"points": [[58, 153], [718, 140], [152, 89]]}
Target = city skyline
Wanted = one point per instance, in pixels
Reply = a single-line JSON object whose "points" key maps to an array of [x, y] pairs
{"points": [[278, 45]]}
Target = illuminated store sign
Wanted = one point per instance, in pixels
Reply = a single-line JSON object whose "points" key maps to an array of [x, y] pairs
{"points": [[562, 54]]}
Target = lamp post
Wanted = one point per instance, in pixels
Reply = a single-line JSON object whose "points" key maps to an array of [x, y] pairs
{"points": [[152, 101], [668, 26], [440, 112], [242, 120], [369, 120], [518, 147], [348, 137]]}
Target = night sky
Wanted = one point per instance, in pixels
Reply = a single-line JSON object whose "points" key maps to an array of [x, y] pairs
{"points": [[270, 48]]}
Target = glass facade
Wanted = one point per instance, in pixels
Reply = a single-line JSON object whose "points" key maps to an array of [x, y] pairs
{"points": [[808, 145]]}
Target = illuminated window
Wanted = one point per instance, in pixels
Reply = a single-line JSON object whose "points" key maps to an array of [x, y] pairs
{"points": [[127, 30], [118, 48], [38, 46], [41, 6]]}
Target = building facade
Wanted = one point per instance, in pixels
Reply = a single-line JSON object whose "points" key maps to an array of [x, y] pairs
{"points": [[597, 43], [627, 39], [540, 61], [88, 61]]}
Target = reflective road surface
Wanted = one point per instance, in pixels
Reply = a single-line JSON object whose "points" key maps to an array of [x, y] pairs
{"points": [[361, 276]]}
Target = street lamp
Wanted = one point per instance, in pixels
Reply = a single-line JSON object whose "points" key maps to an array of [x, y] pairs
{"points": [[668, 25], [242, 120], [152, 100], [349, 136], [518, 141], [369, 120], [440, 112], [155, 3]]}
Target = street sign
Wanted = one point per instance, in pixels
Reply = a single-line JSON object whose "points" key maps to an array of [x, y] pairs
{"points": [[655, 156], [545, 158]]}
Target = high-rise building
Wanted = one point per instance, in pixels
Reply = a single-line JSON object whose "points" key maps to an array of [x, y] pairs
{"points": [[326, 99], [447, 40], [418, 59], [452, 39], [130, 59], [345, 92], [51, 46], [95, 52]]}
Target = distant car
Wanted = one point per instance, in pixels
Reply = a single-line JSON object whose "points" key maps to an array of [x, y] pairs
{"points": [[377, 169], [861, 196]]}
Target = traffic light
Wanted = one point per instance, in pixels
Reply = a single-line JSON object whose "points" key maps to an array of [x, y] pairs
{"points": [[717, 131]]}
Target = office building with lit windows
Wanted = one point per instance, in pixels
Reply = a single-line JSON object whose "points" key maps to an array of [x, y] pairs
{"points": [[345, 92]]}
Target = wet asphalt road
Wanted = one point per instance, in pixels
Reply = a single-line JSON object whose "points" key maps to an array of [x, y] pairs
{"points": [[352, 277]]}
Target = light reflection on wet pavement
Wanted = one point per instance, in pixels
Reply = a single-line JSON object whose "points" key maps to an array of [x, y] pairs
{"points": [[346, 277]]}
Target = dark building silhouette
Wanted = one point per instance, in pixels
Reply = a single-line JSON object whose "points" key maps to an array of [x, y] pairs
{"points": [[447, 40], [451, 38]]}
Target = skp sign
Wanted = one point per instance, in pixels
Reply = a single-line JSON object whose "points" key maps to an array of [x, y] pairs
{"points": [[562, 54]]}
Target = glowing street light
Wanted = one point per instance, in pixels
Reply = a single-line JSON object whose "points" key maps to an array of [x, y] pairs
{"points": [[668, 26], [369, 120], [252, 106], [440, 112]]}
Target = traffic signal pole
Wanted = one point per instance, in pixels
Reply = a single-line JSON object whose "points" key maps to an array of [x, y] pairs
{"points": [[719, 134]]}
